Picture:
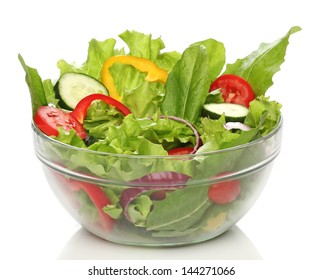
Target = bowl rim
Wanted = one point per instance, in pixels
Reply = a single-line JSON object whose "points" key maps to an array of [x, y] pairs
{"points": [[276, 129]]}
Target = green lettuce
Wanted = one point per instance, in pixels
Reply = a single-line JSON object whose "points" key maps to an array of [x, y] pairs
{"points": [[263, 114], [145, 136], [141, 96], [98, 53]]}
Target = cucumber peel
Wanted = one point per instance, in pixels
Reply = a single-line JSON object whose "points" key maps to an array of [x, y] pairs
{"points": [[72, 87]]}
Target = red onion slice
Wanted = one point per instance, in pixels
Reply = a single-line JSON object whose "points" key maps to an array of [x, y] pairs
{"points": [[166, 180], [236, 125], [198, 141]]}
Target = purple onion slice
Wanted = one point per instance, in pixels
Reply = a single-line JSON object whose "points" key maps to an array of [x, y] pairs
{"points": [[198, 141], [236, 125], [166, 180]]}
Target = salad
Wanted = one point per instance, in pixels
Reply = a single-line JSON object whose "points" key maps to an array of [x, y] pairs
{"points": [[138, 101]]}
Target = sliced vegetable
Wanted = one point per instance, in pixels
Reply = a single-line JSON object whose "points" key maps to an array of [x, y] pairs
{"points": [[232, 112], [236, 125], [161, 181], [81, 108], [72, 87], [48, 119], [224, 192], [234, 89], [154, 73], [198, 141], [97, 196]]}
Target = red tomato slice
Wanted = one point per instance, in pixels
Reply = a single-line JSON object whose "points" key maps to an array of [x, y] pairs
{"points": [[180, 151], [234, 89], [48, 119], [224, 192]]}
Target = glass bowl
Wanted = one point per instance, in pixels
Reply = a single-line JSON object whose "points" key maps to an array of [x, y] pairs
{"points": [[157, 200]]}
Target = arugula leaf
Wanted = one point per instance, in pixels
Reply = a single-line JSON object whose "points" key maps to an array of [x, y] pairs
{"points": [[187, 85], [35, 86], [139, 209], [259, 67], [191, 204], [208, 215]]}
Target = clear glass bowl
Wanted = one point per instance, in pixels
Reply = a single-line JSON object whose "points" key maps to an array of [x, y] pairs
{"points": [[174, 207]]}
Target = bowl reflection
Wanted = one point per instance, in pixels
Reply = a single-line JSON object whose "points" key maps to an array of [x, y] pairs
{"points": [[231, 245]]}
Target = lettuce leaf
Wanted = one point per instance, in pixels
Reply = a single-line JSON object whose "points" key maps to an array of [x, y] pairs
{"points": [[141, 96], [98, 53], [263, 114]]}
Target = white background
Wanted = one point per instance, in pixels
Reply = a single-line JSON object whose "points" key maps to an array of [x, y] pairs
{"points": [[282, 233]]}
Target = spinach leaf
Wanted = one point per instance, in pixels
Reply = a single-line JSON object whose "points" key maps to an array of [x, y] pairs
{"points": [[216, 54], [187, 85], [35, 85]]}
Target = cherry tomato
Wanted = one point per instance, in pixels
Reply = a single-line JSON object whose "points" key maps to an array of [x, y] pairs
{"points": [[48, 119], [180, 151], [224, 192], [234, 89]]}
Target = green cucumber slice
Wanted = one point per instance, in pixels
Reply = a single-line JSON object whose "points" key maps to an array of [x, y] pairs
{"points": [[72, 87], [232, 112]]}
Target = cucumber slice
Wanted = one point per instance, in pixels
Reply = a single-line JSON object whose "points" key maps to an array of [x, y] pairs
{"points": [[72, 87], [232, 112]]}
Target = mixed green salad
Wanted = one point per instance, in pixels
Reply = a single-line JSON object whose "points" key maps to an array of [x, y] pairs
{"points": [[140, 101]]}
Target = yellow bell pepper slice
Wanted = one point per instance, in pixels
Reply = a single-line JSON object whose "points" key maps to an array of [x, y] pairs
{"points": [[154, 73], [216, 222]]}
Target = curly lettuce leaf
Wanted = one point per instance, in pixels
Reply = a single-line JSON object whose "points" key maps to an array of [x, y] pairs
{"points": [[143, 45], [98, 53], [259, 67], [141, 96], [264, 114], [145, 136], [100, 117], [216, 137]]}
